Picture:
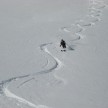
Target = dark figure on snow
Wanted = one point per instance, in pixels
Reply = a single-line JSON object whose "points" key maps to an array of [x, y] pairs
{"points": [[63, 44]]}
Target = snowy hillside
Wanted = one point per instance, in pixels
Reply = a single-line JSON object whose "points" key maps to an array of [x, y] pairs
{"points": [[34, 73]]}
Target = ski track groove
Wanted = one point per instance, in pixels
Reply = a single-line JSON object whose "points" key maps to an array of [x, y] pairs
{"points": [[95, 10], [25, 82]]}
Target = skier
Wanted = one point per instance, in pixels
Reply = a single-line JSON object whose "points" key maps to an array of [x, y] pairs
{"points": [[63, 44]]}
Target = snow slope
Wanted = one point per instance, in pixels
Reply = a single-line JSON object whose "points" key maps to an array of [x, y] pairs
{"points": [[35, 73]]}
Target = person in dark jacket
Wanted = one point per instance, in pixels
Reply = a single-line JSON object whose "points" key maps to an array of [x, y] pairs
{"points": [[63, 44]]}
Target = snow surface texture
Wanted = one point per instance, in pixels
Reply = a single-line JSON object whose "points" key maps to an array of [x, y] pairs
{"points": [[76, 31]]}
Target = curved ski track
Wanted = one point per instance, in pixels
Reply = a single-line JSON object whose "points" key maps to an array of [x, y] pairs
{"points": [[95, 11]]}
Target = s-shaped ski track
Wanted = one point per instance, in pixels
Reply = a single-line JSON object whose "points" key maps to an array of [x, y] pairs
{"points": [[95, 10]]}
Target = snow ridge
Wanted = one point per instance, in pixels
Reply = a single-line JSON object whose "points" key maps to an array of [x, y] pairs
{"points": [[95, 11]]}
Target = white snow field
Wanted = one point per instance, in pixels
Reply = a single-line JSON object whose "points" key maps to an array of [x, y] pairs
{"points": [[34, 73]]}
